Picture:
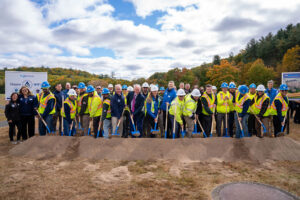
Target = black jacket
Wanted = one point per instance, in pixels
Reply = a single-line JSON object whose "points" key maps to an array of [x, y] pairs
{"points": [[12, 111], [139, 104], [84, 104]]}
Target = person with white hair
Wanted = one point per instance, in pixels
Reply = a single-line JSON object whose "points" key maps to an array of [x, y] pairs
{"points": [[151, 111], [117, 108]]}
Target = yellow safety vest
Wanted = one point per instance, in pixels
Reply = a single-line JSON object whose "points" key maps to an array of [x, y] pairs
{"points": [[72, 106], [222, 104], [125, 99], [251, 96], [107, 101], [210, 103], [284, 108], [43, 102], [79, 103], [239, 103], [95, 105], [179, 109], [190, 106], [256, 107]]}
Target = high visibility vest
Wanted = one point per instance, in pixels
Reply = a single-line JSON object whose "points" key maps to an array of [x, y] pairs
{"points": [[284, 108], [230, 102], [125, 99], [179, 109], [145, 104], [95, 106], [240, 102], [210, 102], [107, 101], [73, 108], [79, 103], [256, 107], [190, 106], [223, 105], [251, 96], [38, 96], [152, 107], [43, 100]]}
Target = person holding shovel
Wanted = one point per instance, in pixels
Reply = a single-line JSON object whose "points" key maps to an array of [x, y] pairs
{"points": [[208, 108], [106, 112], [69, 112], [82, 108], [117, 109], [95, 108], [151, 111], [222, 102]]}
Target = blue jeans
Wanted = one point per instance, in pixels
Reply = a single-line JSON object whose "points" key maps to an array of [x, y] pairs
{"points": [[244, 125], [42, 128], [106, 127], [138, 122], [67, 128]]}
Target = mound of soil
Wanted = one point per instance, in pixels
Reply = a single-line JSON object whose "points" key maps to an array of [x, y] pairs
{"points": [[184, 150]]}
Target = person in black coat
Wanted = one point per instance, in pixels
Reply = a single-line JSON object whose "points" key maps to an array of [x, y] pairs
{"points": [[135, 102], [12, 113], [28, 104]]}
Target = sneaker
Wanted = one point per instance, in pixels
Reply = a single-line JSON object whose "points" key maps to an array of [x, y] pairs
{"points": [[19, 141], [13, 142]]}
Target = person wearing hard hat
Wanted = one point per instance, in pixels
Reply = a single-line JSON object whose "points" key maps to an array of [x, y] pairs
{"points": [[126, 116], [189, 110], [46, 108], [69, 112], [145, 93], [106, 112], [259, 106], [208, 108], [82, 107], [222, 101], [279, 109], [130, 89], [160, 114], [95, 108], [232, 91], [111, 89], [251, 119], [242, 104], [169, 96], [145, 88], [151, 111], [176, 109], [117, 109], [214, 90]]}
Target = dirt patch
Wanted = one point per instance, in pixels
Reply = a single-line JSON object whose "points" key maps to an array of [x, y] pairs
{"points": [[118, 174]]}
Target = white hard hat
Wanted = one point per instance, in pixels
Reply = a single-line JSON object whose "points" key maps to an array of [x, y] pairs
{"points": [[110, 85], [154, 88], [214, 87], [196, 93], [130, 89], [260, 88], [181, 92], [72, 92], [145, 85]]}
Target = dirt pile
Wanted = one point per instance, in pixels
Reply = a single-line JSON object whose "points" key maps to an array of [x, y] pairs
{"points": [[184, 150]]}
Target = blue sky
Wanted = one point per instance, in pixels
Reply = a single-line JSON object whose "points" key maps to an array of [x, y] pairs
{"points": [[133, 38]]}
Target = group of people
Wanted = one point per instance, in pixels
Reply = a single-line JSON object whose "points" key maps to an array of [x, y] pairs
{"points": [[150, 110]]}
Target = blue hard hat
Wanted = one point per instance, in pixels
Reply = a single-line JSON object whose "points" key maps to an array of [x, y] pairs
{"points": [[252, 85], [45, 85], [243, 89], [283, 87], [90, 88], [81, 85], [124, 87], [105, 91], [161, 88], [232, 85], [224, 85]]}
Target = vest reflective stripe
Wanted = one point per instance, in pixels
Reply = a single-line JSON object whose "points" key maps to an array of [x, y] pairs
{"points": [[95, 105], [224, 107], [43, 103], [108, 113], [190, 106], [72, 108], [284, 108], [239, 103], [256, 107], [90, 105], [210, 103]]}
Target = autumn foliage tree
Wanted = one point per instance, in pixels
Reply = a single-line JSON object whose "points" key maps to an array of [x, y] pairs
{"points": [[291, 60], [259, 73]]}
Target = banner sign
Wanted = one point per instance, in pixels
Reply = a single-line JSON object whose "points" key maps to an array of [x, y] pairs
{"points": [[292, 79], [14, 80]]}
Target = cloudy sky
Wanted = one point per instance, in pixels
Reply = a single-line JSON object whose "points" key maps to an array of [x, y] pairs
{"points": [[133, 38]]}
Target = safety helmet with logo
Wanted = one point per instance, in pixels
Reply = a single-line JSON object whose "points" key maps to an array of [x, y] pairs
{"points": [[196, 93], [72, 92], [224, 85], [110, 86], [243, 89], [162, 88], [181, 92], [260, 88], [90, 88], [105, 91], [213, 87], [124, 87], [154, 88], [252, 85], [232, 86], [283, 87], [81, 85], [45, 85], [145, 85], [130, 89]]}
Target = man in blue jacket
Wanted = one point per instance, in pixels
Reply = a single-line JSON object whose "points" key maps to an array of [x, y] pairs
{"points": [[169, 96], [117, 103], [135, 102], [271, 92]]}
